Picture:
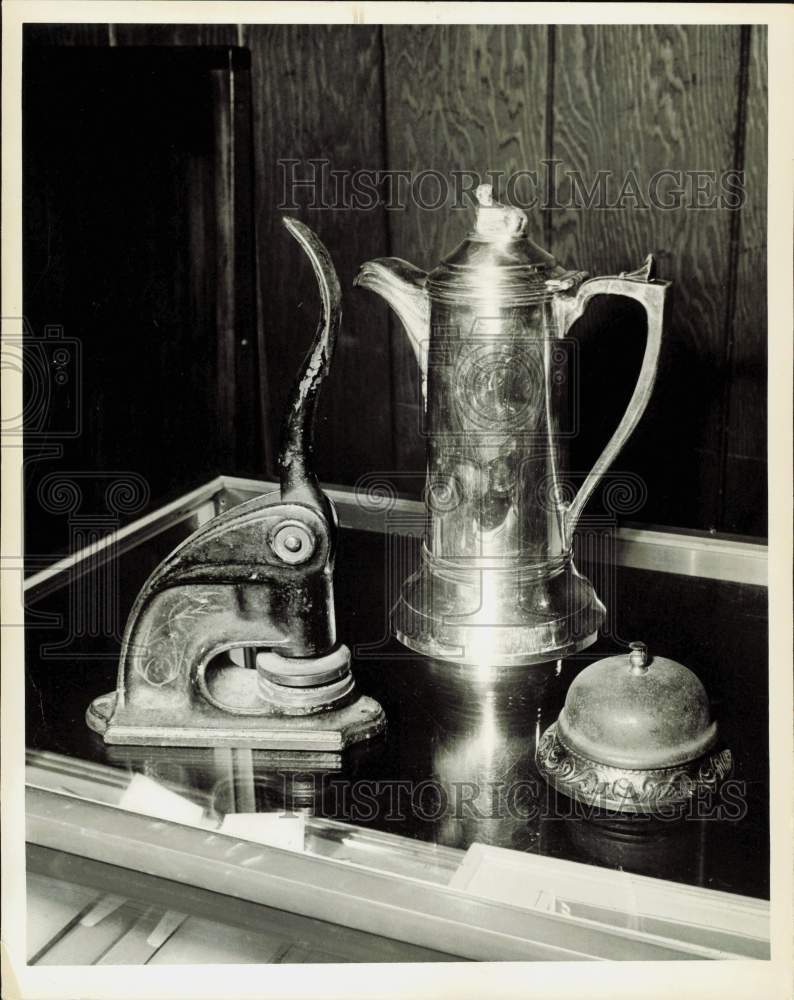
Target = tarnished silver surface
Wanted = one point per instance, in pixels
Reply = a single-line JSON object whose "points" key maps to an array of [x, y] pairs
{"points": [[635, 735], [497, 579], [232, 639]]}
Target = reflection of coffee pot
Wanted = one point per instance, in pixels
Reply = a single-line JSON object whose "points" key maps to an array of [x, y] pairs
{"points": [[483, 736], [497, 582]]}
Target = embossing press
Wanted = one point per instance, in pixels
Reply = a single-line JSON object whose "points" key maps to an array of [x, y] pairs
{"points": [[232, 639]]}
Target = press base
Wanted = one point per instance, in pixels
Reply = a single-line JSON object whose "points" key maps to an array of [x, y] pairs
{"points": [[203, 725]]}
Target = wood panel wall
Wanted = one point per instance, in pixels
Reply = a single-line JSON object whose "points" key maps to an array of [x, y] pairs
{"points": [[505, 98], [743, 471], [318, 95], [472, 99], [633, 98], [137, 242]]}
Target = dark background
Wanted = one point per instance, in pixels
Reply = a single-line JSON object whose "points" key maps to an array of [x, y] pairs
{"points": [[152, 236]]}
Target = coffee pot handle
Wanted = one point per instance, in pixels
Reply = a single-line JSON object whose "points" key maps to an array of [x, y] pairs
{"points": [[650, 293]]}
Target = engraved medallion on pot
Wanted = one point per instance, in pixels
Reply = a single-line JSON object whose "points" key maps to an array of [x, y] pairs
{"points": [[635, 735]]}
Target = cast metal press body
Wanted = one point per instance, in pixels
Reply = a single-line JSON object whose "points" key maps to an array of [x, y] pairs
{"points": [[232, 639]]}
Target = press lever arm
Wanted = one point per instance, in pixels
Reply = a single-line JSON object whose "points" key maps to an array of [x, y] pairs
{"points": [[298, 481]]}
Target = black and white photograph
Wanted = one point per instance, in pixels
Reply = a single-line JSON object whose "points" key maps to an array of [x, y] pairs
{"points": [[396, 453]]}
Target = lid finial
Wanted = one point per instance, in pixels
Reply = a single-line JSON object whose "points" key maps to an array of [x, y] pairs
{"points": [[484, 194], [495, 221]]}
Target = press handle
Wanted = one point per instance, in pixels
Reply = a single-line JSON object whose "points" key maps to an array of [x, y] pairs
{"points": [[298, 481], [641, 286]]}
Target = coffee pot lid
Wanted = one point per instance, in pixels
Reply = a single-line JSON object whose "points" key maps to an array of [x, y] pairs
{"points": [[498, 262]]}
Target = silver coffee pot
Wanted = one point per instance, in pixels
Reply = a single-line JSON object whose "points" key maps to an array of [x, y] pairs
{"points": [[497, 584]]}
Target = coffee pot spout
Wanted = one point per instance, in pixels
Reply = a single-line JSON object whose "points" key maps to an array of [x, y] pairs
{"points": [[403, 286]]}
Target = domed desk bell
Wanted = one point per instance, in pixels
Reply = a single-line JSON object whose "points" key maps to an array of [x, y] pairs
{"points": [[635, 735], [232, 640]]}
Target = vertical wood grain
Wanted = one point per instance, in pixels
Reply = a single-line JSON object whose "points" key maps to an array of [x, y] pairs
{"points": [[138, 220], [118, 210], [745, 473], [223, 197], [238, 409], [173, 34], [131, 34], [317, 95], [651, 98], [66, 34], [458, 97]]}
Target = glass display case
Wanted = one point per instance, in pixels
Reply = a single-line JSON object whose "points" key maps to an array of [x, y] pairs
{"points": [[435, 841]]}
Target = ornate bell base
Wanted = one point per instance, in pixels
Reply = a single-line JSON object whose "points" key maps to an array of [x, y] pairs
{"points": [[650, 791], [497, 617], [204, 725]]}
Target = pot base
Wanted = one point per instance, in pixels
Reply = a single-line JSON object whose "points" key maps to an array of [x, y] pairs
{"points": [[494, 617]]}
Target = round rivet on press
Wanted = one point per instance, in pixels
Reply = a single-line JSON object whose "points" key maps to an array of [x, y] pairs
{"points": [[292, 542]]}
